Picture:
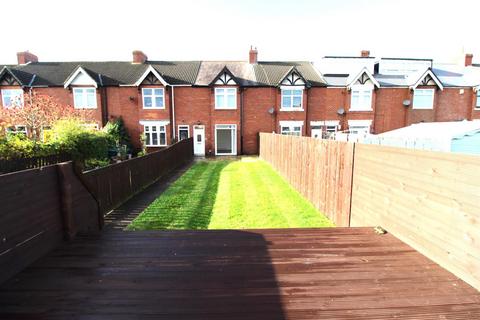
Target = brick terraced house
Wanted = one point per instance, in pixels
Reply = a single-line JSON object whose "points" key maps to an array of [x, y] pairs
{"points": [[225, 104]]}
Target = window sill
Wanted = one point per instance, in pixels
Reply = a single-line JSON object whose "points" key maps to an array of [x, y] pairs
{"points": [[291, 109], [216, 108], [85, 107], [153, 108], [417, 108], [360, 110]]}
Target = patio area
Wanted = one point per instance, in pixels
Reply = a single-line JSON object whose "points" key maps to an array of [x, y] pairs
{"points": [[330, 273]]}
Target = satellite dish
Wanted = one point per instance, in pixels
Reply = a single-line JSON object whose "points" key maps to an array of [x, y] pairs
{"points": [[406, 103], [271, 110], [341, 111]]}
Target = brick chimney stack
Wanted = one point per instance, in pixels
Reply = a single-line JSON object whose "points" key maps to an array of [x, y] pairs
{"points": [[139, 57], [253, 55], [468, 59], [365, 53], [26, 57]]}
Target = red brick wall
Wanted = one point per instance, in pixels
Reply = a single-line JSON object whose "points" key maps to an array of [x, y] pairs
{"points": [[453, 105], [389, 109], [256, 102], [323, 105], [290, 115]]}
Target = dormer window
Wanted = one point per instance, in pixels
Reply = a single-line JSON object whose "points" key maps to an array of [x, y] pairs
{"points": [[153, 98], [12, 97], [423, 98], [361, 98], [84, 98], [225, 98], [292, 99]]}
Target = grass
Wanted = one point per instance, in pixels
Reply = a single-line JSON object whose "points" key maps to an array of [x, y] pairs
{"points": [[230, 194]]}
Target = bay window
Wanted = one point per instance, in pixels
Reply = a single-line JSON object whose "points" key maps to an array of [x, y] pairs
{"points": [[153, 98], [84, 98], [361, 98], [12, 97], [225, 98], [423, 98], [292, 99]]}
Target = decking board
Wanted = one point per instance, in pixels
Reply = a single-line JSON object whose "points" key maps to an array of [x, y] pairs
{"points": [[335, 273]]}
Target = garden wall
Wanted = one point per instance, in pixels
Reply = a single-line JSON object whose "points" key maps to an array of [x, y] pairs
{"points": [[429, 200]]}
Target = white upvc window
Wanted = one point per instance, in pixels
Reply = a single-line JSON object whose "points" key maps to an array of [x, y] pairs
{"points": [[293, 128], [18, 129], [359, 127], [361, 98], [153, 98], [225, 98], [12, 97], [155, 135], [183, 132], [84, 98], [477, 105], [292, 99], [423, 98]]}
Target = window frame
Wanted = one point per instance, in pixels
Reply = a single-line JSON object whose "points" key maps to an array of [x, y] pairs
{"points": [[3, 91], [291, 107], [362, 89], [225, 98], [17, 126], [158, 132], [84, 97], [415, 91], [153, 97], [233, 129], [183, 126], [477, 104]]}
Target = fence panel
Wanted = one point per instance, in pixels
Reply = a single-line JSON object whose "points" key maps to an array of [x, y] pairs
{"points": [[321, 170], [430, 200], [114, 184], [12, 165]]}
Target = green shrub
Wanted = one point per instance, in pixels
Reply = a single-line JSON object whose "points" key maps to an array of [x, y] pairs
{"points": [[18, 146], [117, 131]]}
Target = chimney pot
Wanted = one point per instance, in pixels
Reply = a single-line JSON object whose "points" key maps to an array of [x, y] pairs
{"points": [[25, 57], [468, 59], [365, 53], [253, 55], [139, 57]]}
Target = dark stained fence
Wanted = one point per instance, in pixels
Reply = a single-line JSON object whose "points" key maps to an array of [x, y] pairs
{"points": [[12, 165], [39, 208], [114, 184]]}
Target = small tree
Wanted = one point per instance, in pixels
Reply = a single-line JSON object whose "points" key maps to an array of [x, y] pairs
{"points": [[37, 112]]}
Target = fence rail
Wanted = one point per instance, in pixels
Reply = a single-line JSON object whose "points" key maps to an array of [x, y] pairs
{"points": [[12, 165], [112, 185], [430, 200]]}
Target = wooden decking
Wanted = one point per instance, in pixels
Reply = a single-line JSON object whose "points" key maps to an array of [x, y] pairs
{"points": [[342, 273]]}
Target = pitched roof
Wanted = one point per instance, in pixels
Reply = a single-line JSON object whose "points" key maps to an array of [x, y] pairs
{"points": [[197, 73]]}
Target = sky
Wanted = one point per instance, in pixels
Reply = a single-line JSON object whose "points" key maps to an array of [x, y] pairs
{"points": [[224, 30]]}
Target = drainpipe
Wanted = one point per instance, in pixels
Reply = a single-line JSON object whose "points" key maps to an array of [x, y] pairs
{"points": [[173, 112], [241, 120]]}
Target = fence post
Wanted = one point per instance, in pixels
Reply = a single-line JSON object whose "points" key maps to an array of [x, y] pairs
{"points": [[66, 202]]}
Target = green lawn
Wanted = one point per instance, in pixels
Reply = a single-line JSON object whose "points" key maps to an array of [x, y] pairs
{"points": [[230, 194]]}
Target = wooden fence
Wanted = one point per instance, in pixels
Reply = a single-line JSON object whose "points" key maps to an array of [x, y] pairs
{"points": [[114, 184], [39, 208], [430, 200], [321, 170], [12, 165]]}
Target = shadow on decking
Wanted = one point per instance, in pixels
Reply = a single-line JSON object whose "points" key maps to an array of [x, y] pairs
{"points": [[151, 274]]}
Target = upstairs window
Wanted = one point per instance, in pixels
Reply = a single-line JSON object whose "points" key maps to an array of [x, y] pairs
{"points": [[225, 98], [12, 97], [423, 98], [155, 135], [292, 99], [153, 98], [361, 98], [84, 98], [477, 106]]}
